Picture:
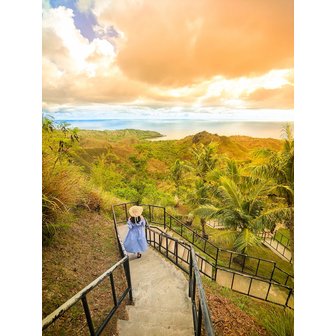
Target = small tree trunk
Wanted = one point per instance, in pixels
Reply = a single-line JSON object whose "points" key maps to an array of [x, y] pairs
{"points": [[203, 221]]}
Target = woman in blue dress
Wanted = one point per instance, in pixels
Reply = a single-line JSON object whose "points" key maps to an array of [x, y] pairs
{"points": [[135, 241]]}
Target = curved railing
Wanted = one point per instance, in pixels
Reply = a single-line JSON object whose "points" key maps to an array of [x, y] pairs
{"points": [[262, 268], [254, 271], [279, 242], [82, 295], [200, 311]]}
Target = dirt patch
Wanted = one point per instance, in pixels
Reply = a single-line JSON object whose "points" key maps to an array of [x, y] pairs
{"points": [[229, 320], [75, 258]]}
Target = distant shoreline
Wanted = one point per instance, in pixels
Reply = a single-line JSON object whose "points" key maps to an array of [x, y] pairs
{"points": [[174, 129]]}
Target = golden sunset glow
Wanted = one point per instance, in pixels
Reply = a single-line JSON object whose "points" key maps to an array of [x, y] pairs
{"points": [[235, 54]]}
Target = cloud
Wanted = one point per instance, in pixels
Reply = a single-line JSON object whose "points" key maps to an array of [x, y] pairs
{"points": [[282, 97], [233, 54], [176, 42], [84, 5]]}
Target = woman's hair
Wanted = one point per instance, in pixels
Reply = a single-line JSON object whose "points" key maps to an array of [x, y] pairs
{"points": [[135, 219]]}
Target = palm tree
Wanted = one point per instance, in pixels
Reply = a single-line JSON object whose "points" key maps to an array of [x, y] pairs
{"points": [[198, 197], [205, 159], [240, 201], [178, 169], [279, 167]]}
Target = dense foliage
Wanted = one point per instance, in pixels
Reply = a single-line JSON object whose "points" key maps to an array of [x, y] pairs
{"points": [[242, 182]]}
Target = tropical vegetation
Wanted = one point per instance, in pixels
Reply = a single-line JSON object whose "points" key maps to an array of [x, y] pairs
{"points": [[243, 183]]}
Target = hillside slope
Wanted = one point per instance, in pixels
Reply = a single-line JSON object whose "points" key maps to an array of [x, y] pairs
{"points": [[129, 142], [78, 255]]}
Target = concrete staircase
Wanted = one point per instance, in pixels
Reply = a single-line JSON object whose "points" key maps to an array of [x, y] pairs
{"points": [[161, 302]]}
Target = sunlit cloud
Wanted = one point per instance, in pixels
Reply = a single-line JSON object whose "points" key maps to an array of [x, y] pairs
{"points": [[197, 54]]}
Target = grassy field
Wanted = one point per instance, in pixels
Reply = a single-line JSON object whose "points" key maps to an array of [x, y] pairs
{"points": [[283, 237], [221, 239]]}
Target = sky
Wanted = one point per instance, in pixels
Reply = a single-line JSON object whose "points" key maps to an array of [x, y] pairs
{"points": [[193, 57]]}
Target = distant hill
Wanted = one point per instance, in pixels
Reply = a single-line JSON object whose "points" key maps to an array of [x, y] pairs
{"points": [[124, 143], [238, 147]]}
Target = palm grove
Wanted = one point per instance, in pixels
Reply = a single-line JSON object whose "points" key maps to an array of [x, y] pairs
{"points": [[246, 195]]}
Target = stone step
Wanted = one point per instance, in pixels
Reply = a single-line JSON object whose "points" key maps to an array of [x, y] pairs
{"points": [[170, 302], [173, 318], [138, 328]]}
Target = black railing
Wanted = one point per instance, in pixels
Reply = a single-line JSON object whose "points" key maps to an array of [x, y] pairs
{"points": [[180, 254], [244, 263], [256, 271], [257, 288], [82, 295], [183, 256], [263, 268], [281, 245]]}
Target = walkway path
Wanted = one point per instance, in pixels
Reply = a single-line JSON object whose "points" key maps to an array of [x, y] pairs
{"points": [[241, 282], [278, 248], [160, 293]]}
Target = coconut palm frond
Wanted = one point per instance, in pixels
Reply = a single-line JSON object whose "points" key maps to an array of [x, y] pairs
{"points": [[245, 239], [271, 216], [280, 188], [261, 190], [262, 153], [232, 191], [205, 211]]}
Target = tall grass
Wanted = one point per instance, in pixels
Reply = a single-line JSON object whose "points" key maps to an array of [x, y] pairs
{"points": [[65, 183], [280, 323], [61, 191]]}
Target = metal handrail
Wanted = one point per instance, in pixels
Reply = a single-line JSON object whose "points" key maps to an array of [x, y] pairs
{"points": [[271, 281], [252, 278], [200, 311], [215, 258], [203, 309], [167, 222], [78, 296], [81, 295], [271, 236], [282, 235]]}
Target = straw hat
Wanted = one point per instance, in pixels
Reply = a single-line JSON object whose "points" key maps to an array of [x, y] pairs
{"points": [[135, 211]]}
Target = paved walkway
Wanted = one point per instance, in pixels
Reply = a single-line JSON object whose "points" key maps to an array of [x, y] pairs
{"points": [[160, 293], [239, 281], [278, 248]]}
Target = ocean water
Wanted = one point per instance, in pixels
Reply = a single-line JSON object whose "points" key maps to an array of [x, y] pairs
{"points": [[180, 128]]}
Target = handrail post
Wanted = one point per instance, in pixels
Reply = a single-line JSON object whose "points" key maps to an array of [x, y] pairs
{"points": [[114, 295], [190, 274], [125, 206], [288, 297], [216, 263], [88, 316], [128, 278], [272, 271], [199, 322], [164, 218], [150, 213]]}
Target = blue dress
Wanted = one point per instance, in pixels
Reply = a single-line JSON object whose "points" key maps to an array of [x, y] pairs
{"points": [[135, 240]]}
